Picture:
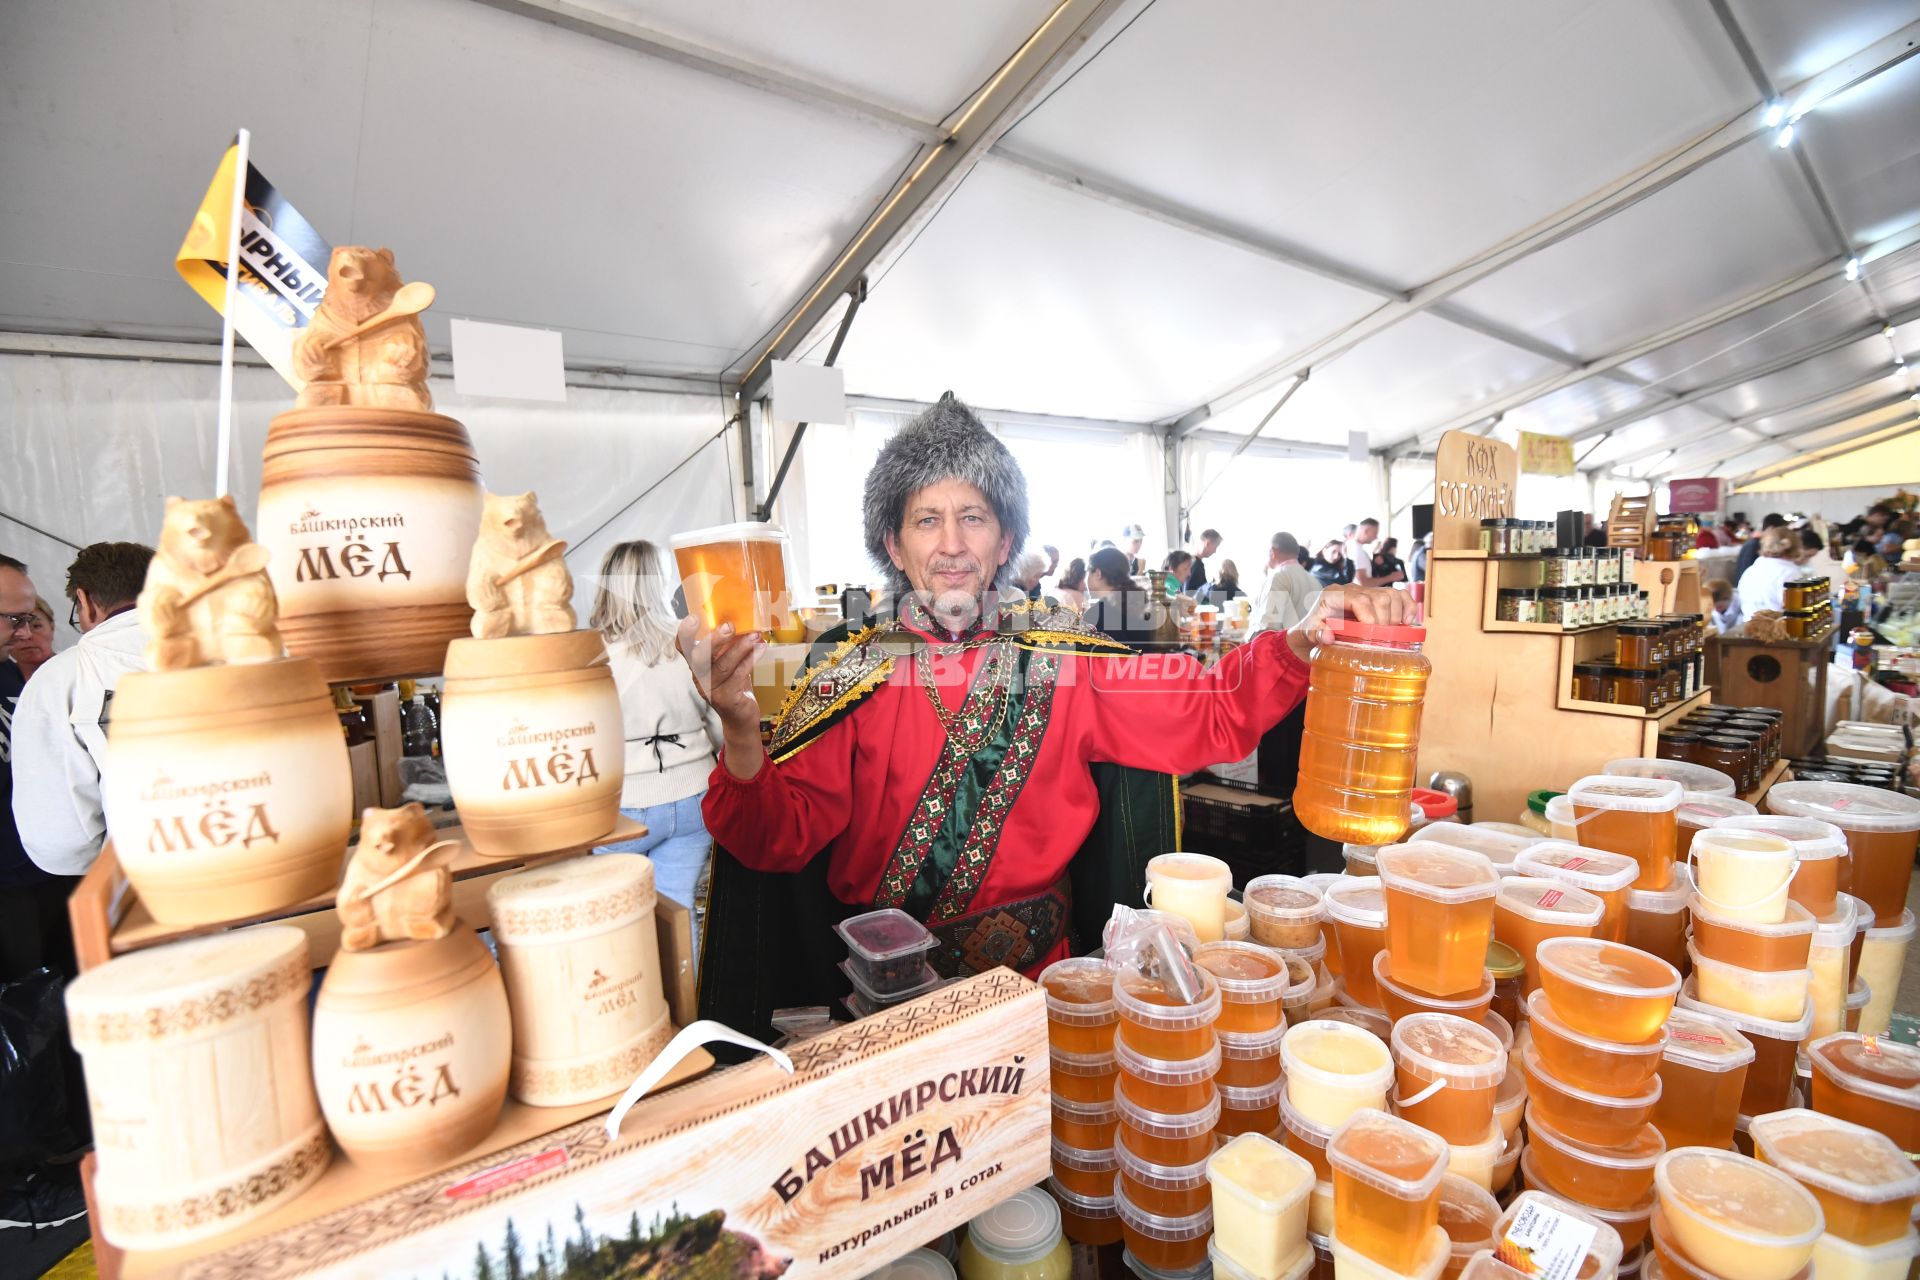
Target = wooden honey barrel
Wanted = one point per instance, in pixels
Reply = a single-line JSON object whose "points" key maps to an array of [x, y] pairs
{"points": [[582, 965], [371, 516], [204, 1116], [411, 1042], [227, 789], [534, 741]]}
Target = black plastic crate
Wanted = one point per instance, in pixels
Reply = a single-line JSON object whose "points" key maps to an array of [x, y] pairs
{"points": [[1255, 834]]}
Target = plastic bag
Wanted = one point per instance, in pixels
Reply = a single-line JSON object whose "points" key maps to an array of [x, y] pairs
{"points": [[1145, 940], [35, 1065]]}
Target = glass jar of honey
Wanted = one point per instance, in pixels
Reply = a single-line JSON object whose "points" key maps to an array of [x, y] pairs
{"points": [[1591, 681], [1802, 625], [1635, 644], [1628, 687], [1679, 744]]}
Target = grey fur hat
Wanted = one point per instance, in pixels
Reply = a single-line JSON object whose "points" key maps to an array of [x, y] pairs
{"points": [[946, 442]]}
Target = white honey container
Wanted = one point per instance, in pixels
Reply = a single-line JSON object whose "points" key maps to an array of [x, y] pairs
{"points": [[198, 1077], [582, 963]]}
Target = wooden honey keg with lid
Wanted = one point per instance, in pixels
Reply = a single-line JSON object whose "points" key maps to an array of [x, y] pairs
{"points": [[204, 1116], [534, 738], [226, 783], [579, 951], [411, 1035], [369, 501]]}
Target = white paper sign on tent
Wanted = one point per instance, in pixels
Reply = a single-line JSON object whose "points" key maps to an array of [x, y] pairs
{"points": [[1356, 446], [808, 392], [507, 361]]}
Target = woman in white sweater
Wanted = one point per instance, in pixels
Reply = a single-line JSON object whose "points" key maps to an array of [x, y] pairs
{"points": [[672, 733]]}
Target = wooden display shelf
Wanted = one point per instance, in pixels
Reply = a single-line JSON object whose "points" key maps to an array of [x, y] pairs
{"points": [[110, 920], [346, 1183], [1775, 774], [1499, 574], [1663, 718]]}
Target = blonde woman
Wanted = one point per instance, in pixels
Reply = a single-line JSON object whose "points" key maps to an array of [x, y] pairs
{"points": [[671, 731]]}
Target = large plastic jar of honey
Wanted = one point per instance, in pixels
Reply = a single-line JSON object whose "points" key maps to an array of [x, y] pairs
{"points": [[1362, 732]]}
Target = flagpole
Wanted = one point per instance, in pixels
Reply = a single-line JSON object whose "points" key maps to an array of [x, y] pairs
{"points": [[223, 443]]}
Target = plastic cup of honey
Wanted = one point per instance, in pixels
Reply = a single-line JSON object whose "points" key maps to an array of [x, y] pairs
{"points": [[1607, 876], [1589, 1062], [1193, 886], [1251, 1110], [1842, 1259], [1235, 927], [1447, 1073], [1882, 829], [1357, 909], [1252, 979], [1767, 948], [1159, 1138], [1883, 959], [1615, 1176], [1770, 1075], [1083, 1077], [1579, 1113], [1531, 1211], [735, 573], [1743, 875], [1498, 846], [1439, 902], [1510, 1104], [1373, 1020], [1697, 813], [1156, 1022], [1086, 1125], [1086, 1219], [1476, 1161], [1166, 1244], [1634, 816], [1249, 1059], [1606, 989], [1158, 1084], [1172, 1191], [1657, 920], [1777, 995], [1085, 1173], [1825, 866], [1299, 1267], [1260, 1192], [1870, 1082], [1386, 1188], [1306, 1139], [1527, 911], [1735, 1216], [1468, 1213], [1402, 1000], [1866, 1186], [1436, 1251], [1333, 1070], [1081, 1014], [1503, 1168], [1283, 912], [1703, 1072]]}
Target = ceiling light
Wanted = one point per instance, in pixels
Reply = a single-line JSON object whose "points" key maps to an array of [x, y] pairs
{"points": [[1853, 268], [1776, 112], [1784, 138], [1886, 331]]}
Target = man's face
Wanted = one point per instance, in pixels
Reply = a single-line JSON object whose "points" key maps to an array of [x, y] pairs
{"points": [[950, 545], [1208, 546], [16, 597], [31, 648], [1369, 532], [1134, 545]]}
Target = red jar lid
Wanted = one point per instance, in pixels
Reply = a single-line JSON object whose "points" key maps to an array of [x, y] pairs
{"points": [[1435, 804], [1353, 629]]}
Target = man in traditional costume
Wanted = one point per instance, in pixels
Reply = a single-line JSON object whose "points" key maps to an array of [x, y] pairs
{"points": [[957, 761]]}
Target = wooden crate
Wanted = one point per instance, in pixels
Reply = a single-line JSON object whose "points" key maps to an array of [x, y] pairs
{"points": [[890, 1131], [1790, 675]]}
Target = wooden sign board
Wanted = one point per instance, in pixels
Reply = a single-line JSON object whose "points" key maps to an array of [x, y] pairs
{"points": [[891, 1131], [1474, 479]]}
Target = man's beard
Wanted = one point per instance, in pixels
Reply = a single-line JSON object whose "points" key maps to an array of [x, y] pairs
{"points": [[955, 608]]}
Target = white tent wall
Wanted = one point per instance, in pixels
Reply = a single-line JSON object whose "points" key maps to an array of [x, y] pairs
{"points": [[98, 445], [1270, 489]]}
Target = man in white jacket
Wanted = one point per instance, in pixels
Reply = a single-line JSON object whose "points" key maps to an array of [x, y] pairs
{"points": [[60, 724]]}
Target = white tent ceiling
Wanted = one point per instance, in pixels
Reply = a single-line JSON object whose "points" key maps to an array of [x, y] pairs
{"points": [[1529, 208]]}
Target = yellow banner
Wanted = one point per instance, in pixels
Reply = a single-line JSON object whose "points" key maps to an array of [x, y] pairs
{"points": [[1545, 455]]}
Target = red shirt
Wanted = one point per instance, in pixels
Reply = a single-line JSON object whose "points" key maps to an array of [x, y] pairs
{"points": [[854, 790]]}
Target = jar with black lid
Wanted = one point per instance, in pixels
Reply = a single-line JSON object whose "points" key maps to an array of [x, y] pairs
{"points": [[1519, 604], [1769, 732], [1675, 685], [1554, 605], [1728, 754], [1607, 565], [1630, 688], [1678, 744], [1590, 681], [1754, 757], [1634, 644]]}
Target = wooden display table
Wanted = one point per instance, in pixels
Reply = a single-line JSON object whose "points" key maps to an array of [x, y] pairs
{"points": [[1789, 675]]}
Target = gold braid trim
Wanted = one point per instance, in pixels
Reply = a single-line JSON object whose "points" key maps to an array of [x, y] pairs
{"points": [[1179, 813], [854, 693], [840, 651]]}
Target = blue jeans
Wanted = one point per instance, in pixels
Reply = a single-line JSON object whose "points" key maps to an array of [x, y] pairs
{"points": [[681, 849]]}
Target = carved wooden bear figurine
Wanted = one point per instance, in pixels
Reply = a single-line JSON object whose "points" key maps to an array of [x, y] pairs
{"points": [[399, 885], [207, 597], [517, 581], [360, 347]]}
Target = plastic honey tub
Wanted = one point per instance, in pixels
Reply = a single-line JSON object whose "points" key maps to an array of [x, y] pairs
{"points": [[1584, 1114], [1605, 1249], [1825, 866], [1087, 1173], [1083, 1077], [1657, 921], [1333, 1070], [1696, 813], [1615, 1176], [1159, 1138], [1829, 960], [1696, 780], [1171, 1191], [1467, 1214], [1866, 1186], [1607, 876], [1448, 1071], [1252, 979], [1882, 828], [1882, 961], [1260, 1192], [1156, 1023], [1386, 1187], [1780, 947], [1527, 911], [1172, 1088], [1770, 1075], [1869, 1081], [1081, 1014], [1089, 1126], [1734, 1216], [1306, 1139], [1283, 912], [1162, 1243], [1194, 887], [1500, 847], [1440, 905], [1090, 1220], [1475, 1161], [1703, 1074], [1608, 990], [1250, 1110], [1591, 1062], [1357, 910], [1250, 1060], [1634, 816], [1402, 1000]]}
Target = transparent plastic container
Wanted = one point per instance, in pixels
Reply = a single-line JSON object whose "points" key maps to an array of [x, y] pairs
{"points": [[1089, 1220], [1162, 1243], [1362, 731], [1081, 1014], [1370, 1020], [1736, 1217], [1502, 1029], [1171, 1191], [1357, 910], [1086, 1125], [1386, 1188], [1402, 1000], [1447, 1073], [1321, 881], [1777, 995], [1883, 957], [1510, 1104], [1303, 981], [1657, 920], [1306, 1139], [1768, 948], [1837, 1258], [1333, 1070], [1870, 1082], [1085, 1173], [1298, 1267], [1252, 979], [1634, 816], [1475, 1161], [1616, 1176], [1863, 923], [1158, 1084], [1829, 960], [1250, 1110], [1436, 1251], [1159, 1138], [1703, 1073], [1236, 926], [1194, 887], [1824, 868], [1083, 1077], [1528, 910], [735, 574], [1606, 989], [1591, 1062], [1467, 1214], [1744, 875], [1179, 926], [1283, 912], [1697, 813], [1589, 1116], [1018, 1239], [1770, 1076], [1528, 1213], [1156, 1023], [1669, 1263], [1439, 903], [1858, 997], [1249, 1059], [887, 954], [1607, 876], [921, 1264], [1487, 839], [1694, 779], [1361, 859], [1882, 829], [1260, 1192], [1866, 1186]]}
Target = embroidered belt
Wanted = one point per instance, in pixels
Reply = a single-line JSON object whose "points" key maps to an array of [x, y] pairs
{"points": [[1015, 934]]}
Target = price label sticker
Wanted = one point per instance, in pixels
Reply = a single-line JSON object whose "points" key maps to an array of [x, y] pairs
{"points": [[1545, 1241]]}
